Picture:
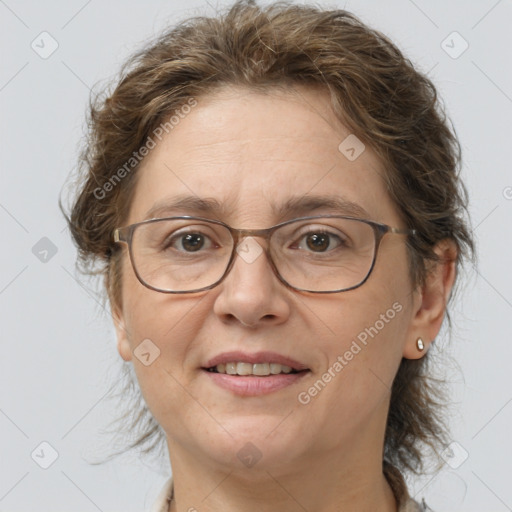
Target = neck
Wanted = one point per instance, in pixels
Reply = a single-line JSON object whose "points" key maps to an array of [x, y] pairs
{"points": [[323, 486]]}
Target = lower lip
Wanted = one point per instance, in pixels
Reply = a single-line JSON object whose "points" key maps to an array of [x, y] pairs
{"points": [[253, 385]]}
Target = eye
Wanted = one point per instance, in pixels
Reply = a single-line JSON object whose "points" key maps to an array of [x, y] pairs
{"points": [[320, 241], [191, 241]]}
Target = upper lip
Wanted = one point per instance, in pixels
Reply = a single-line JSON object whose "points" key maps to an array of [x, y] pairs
{"points": [[257, 357]]}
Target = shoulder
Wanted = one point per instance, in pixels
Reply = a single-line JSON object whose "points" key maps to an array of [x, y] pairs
{"points": [[161, 503], [411, 505], [397, 483]]}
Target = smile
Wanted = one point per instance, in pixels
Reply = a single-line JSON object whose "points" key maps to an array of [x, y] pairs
{"points": [[259, 369]]}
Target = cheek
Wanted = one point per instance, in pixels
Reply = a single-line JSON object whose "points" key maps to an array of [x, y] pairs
{"points": [[363, 333], [367, 332], [159, 328], [363, 357], [159, 334], [169, 322]]}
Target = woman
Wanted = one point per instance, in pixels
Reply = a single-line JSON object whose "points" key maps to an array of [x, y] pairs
{"points": [[273, 198]]}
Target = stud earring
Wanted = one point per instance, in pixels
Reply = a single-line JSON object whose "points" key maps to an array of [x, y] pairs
{"points": [[420, 344]]}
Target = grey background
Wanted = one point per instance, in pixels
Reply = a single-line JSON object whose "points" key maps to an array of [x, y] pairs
{"points": [[58, 351]]}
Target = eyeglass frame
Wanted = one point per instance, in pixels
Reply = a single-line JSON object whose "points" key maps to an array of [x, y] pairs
{"points": [[125, 235]]}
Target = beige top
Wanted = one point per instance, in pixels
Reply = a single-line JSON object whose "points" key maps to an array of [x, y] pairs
{"points": [[396, 481]]}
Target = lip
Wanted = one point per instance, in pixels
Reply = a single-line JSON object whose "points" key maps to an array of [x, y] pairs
{"points": [[253, 385], [257, 357]]}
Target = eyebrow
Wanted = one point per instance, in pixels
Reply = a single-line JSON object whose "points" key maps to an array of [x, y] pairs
{"points": [[294, 206]]}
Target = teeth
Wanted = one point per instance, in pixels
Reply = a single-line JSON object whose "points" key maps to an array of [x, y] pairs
{"points": [[275, 368], [261, 369], [244, 369]]}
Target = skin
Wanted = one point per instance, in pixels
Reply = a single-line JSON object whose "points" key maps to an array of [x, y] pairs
{"points": [[250, 150]]}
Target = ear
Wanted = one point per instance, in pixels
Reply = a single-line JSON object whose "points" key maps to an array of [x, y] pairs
{"points": [[430, 300], [123, 344]]}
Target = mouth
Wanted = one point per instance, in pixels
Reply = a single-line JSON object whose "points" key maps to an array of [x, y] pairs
{"points": [[250, 375], [253, 384], [239, 368]]}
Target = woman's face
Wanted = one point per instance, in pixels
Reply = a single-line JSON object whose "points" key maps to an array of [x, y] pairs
{"points": [[253, 153]]}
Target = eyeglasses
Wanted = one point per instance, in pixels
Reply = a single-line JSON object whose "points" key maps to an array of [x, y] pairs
{"points": [[319, 254]]}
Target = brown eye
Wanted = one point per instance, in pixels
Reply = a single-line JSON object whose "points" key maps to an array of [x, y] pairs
{"points": [[318, 241], [192, 242]]}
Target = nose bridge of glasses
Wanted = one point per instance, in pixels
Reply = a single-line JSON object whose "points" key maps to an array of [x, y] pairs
{"points": [[241, 234], [250, 252]]}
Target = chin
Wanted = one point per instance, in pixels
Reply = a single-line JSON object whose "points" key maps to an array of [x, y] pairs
{"points": [[256, 442]]}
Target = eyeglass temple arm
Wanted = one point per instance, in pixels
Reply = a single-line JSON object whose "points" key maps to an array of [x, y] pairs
{"points": [[400, 231], [119, 236]]}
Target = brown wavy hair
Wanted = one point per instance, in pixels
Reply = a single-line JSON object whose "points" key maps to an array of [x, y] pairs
{"points": [[374, 90]]}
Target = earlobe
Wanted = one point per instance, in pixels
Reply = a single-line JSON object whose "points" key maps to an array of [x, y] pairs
{"points": [[432, 298]]}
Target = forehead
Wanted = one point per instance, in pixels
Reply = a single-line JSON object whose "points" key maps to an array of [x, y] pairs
{"points": [[251, 156]]}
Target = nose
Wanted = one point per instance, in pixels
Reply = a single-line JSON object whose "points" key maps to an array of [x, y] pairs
{"points": [[251, 293]]}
